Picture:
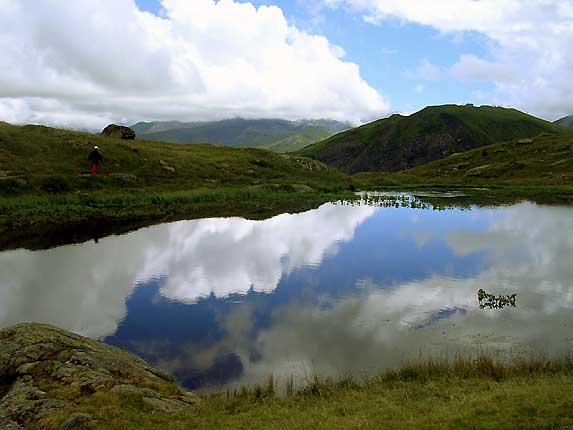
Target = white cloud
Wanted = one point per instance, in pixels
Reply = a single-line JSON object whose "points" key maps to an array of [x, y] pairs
{"points": [[529, 61], [426, 71], [528, 250], [88, 62], [83, 288], [235, 255], [471, 67]]}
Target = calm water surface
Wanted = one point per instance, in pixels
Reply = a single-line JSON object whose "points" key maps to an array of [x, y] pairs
{"points": [[337, 290]]}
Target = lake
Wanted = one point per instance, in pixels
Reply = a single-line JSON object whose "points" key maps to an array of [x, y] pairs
{"points": [[339, 290]]}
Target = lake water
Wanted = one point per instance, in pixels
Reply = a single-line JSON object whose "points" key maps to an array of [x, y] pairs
{"points": [[342, 289]]}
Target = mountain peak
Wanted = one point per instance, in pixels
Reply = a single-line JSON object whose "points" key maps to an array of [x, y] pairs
{"points": [[402, 142]]}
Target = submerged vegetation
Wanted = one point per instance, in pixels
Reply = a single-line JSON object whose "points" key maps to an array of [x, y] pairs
{"points": [[491, 301]]}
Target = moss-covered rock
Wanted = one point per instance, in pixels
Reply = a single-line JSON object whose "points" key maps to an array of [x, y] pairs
{"points": [[118, 132], [45, 370]]}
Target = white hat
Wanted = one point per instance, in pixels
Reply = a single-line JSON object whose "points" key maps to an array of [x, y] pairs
{"points": [[96, 147]]}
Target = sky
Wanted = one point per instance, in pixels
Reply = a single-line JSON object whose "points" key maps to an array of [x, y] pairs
{"points": [[87, 63]]}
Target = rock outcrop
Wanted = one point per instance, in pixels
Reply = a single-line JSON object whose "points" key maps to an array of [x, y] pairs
{"points": [[118, 132], [39, 361]]}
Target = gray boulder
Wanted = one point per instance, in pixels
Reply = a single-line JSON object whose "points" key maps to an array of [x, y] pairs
{"points": [[118, 132]]}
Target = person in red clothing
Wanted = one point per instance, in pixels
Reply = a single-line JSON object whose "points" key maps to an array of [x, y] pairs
{"points": [[95, 158]]}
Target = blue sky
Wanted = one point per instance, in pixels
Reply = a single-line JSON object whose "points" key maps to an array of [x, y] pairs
{"points": [[88, 63], [389, 55]]}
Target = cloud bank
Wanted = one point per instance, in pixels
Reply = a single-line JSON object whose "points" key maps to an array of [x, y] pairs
{"points": [[528, 56], [86, 63]]}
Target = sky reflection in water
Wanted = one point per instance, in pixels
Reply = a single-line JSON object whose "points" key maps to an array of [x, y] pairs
{"points": [[335, 290]]}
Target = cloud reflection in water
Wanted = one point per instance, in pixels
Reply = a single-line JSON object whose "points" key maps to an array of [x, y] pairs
{"points": [[349, 295], [84, 287], [527, 250]]}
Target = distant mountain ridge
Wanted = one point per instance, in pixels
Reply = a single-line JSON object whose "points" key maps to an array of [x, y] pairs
{"points": [[275, 134], [403, 142], [565, 122]]}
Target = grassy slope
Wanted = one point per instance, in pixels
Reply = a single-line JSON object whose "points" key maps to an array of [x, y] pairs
{"points": [[46, 172], [278, 135], [36, 159], [540, 170], [398, 142], [46, 191], [546, 160], [480, 394]]}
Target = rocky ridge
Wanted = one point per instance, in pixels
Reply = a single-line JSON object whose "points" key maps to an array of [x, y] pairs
{"points": [[47, 371]]}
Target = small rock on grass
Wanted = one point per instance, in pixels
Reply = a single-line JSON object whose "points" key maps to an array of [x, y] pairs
{"points": [[166, 406], [78, 420], [7, 424], [126, 390], [190, 398]]}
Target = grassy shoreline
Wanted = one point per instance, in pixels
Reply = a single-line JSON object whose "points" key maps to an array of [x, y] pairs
{"points": [[41, 221], [46, 190], [464, 393]]}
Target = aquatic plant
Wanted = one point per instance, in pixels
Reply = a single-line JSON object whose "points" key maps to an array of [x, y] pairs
{"points": [[491, 301]]}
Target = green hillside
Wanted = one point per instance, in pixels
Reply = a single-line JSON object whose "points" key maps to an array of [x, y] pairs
{"points": [[276, 134], [46, 191], [142, 128], [402, 142], [38, 159], [565, 122], [545, 159]]}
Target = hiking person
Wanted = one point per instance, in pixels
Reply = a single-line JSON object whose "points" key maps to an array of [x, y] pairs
{"points": [[95, 158]]}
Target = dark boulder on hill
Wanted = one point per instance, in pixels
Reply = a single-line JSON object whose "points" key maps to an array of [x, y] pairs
{"points": [[118, 132]]}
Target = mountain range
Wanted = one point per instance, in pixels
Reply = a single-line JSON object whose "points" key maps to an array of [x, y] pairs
{"points": [[403, 142], [275, 134], [565, 122]]}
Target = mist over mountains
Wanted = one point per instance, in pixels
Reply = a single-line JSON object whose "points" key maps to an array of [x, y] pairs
{"points": [[275, 134], [565, 122]]}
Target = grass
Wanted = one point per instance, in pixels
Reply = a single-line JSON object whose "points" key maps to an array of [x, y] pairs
{"points": [[545, 159], [539, 169], [44, 180], [476, 393], [39, 222], [45, 188], [399, 142], [43, 160]]}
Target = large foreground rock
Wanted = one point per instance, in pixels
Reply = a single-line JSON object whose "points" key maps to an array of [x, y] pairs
{"points": [[118, 132], [38, 361]]}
